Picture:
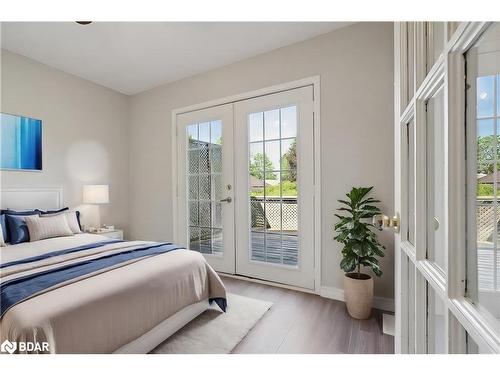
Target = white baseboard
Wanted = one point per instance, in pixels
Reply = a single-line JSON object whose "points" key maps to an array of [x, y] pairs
{"points": [[381, 303]]}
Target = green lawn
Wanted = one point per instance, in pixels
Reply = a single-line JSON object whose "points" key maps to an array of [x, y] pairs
{"points": [[289, 190], [486, 190]]}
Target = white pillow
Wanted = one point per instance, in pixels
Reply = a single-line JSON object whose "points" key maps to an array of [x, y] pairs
{"points": [[71, 218], [42, 227], [2, 241]]}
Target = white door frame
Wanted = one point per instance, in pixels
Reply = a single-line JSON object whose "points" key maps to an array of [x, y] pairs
{"points": [[313, 81]]}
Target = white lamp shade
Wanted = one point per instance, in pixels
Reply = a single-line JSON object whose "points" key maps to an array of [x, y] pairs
{"points": [[95, 194]]}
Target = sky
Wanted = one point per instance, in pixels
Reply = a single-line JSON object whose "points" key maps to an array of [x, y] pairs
{"points": [[486, 104]]}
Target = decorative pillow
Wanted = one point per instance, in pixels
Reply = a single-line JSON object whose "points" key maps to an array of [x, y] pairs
{"points": [[24, 213], [2, 241], [62, 210], [8, 211], [16, 226], [71, 217], [42, 227], [54, 211], [3, 225]]}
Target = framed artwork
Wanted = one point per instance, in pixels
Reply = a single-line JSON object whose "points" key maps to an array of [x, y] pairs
{"points": [[20, 143]]}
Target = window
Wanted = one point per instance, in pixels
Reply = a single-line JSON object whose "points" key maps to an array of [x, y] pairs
{"points": [[452, 27], [435, 179], [483, 134], [273, 186], [409, 170], [434, 41], [204, 181], [408, 63]]}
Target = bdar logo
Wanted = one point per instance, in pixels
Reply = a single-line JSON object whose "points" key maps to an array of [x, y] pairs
{"points": [[8, 347]]}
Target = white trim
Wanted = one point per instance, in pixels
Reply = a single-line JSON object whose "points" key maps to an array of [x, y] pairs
{"points": [[380, 303], [317, 183], [313, 81], [475, 324], [266, 282]]}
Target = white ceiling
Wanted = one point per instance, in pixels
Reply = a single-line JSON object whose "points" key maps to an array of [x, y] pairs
{"points": [[131, 57]]}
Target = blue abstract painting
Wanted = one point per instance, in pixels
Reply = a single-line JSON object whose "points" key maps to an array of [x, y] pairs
{"points": [[20, 142]]}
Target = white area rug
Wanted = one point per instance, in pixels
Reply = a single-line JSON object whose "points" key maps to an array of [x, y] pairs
{"points": [[216, 332]]}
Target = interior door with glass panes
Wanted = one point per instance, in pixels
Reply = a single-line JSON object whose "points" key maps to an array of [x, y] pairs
{"points": [[446, 187], [420, 176], [205, 184], [274, 187]]}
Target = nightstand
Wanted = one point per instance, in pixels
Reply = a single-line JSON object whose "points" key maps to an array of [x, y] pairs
{"points": [[115, 234]]}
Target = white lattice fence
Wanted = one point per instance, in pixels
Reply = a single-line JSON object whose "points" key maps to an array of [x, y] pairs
{"points": [[485, 218], [279, 215]]}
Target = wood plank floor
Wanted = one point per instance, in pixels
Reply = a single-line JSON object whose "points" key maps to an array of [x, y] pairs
{"points": [[305, 323]]}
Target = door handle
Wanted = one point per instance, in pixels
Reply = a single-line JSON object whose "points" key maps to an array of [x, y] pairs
{"points": [[385, 222], [226, 200]]}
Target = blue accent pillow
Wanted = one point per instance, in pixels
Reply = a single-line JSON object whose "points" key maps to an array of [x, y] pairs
{"points": [[54, 211], [18, 230], [24, 213], [62, 210], [3, 223], [6, 233]]}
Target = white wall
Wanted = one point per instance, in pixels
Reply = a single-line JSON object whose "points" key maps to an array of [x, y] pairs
{"points": [[356, 69], [84, 133]]}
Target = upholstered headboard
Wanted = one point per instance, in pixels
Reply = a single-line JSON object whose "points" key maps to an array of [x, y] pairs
{"points": [[28, 198]]}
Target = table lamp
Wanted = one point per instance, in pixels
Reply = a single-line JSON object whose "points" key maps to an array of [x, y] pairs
{"points": [[96, 195]]}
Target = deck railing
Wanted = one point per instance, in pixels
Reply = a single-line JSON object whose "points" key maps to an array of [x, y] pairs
{"points": [[274, 213], [485, 218]]}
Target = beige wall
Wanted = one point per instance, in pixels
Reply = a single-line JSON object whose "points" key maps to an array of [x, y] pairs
{"points": [[84, 133], [356, 69]]}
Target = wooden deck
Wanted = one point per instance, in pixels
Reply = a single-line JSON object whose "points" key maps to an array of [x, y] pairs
{"points": [[279, 247], [488, 268]]}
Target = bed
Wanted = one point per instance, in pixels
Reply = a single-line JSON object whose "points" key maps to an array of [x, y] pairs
{"points": [[119, 297]]}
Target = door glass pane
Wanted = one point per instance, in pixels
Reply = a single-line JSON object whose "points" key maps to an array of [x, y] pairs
{"points": [[483, 136], [472, 347], [436, 334], [204, 180], [410, 62], [452, 27], [411, 59], [435, 42], [411, 307], [410, 166], [435, 145], [273, 193]]}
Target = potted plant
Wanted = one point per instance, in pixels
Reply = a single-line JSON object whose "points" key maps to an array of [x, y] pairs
{"points": [[360, 249]]}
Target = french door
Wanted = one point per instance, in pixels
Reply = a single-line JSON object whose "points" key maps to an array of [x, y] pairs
{"points": [[206, 185], [246, 186], [446, 187]]}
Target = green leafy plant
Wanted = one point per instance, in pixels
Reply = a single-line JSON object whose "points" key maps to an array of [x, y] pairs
{"points": [[355, 232]]}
